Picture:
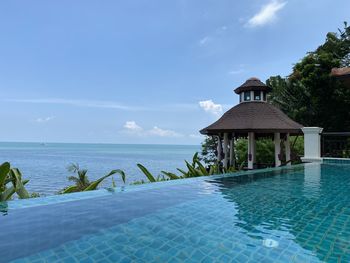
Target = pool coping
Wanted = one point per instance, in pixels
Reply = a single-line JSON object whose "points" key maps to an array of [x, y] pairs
{"points": [[332, 160], [55, 199]]}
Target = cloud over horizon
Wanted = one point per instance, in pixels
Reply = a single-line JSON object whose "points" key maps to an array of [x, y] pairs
{"points": [[132, 126], [134, 129], [164, 133]]}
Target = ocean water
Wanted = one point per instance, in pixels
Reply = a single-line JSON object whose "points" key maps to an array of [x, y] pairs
{"points": [[45, 165]]}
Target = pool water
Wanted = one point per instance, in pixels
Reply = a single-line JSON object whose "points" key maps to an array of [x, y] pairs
{"points": [[297, 214]]}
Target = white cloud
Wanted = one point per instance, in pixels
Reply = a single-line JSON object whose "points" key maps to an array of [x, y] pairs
{"points": [[221, 29], [133, 128], [46, 119], [212, 36], [204, 41], [267, 13], [210, 106], [236, 72], [163, 133]]}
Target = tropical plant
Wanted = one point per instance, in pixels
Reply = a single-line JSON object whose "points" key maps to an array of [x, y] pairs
{"points": [[149, 175], [82, 182], [11, 183], [194, 169]]}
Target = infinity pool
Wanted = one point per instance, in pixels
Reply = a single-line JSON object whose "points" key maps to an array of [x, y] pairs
{"points": [[297, 214]]}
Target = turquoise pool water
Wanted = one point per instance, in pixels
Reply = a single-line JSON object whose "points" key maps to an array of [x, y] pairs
{"points": [[299, 214]]}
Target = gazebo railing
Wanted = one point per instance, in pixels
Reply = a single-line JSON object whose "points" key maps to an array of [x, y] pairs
{"points": [[335, 144]]}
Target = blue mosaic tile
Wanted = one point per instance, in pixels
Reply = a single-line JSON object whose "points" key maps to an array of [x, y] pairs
{"points": [[299, 214], [342, 161]]}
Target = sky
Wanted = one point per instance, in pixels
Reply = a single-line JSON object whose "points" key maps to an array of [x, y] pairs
{"points": [[144, 71]]}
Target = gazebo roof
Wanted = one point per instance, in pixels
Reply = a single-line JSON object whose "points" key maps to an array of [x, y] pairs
{"points": [[252, 84], [258, 117]]}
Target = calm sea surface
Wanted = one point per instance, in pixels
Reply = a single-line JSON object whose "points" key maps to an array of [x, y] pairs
{"points": [[46, 164]]}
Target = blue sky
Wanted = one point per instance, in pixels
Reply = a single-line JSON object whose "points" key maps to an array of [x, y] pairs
{"points": [[144, 71]]}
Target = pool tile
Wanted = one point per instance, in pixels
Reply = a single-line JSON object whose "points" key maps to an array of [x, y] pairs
{"points": [[307, 221]]}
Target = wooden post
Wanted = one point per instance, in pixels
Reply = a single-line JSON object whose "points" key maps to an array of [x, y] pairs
{"points": [[219, 149], [287, 148], [226, 150]]}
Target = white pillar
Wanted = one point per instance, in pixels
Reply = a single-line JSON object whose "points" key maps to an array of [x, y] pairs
{"points": [[277, 140], [287, 148], [251, 150], [312, 144], [219, 149], [232, 151], [226, 150]]}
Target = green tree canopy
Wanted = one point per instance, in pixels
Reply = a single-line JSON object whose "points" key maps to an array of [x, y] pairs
{"points": [[310, 95]]}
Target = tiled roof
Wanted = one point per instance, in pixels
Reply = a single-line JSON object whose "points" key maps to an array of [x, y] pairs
{"points": [[252, 84], [259, 117]]}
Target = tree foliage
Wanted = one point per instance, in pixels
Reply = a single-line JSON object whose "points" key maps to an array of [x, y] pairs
{"points": [[209, 150], [310, 95]]}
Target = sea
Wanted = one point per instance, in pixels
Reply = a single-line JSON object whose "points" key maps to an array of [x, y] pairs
{"points": [[45, 164]]}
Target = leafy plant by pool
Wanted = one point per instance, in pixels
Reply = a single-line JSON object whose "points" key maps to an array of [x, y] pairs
{"points": [[194, 169], [82, 182], [11, 183]]}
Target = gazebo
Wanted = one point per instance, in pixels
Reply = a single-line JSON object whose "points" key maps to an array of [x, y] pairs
{"points": [[252, 118]]}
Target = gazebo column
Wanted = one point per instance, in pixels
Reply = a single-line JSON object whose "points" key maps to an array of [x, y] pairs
{"points": [[277, 140], [219, 149], [232, 151], [287, 148], [225, 150], [254, 149], [251, 150]]}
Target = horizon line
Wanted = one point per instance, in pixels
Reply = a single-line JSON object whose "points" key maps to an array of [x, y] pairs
{"points": [[103, 143]]}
